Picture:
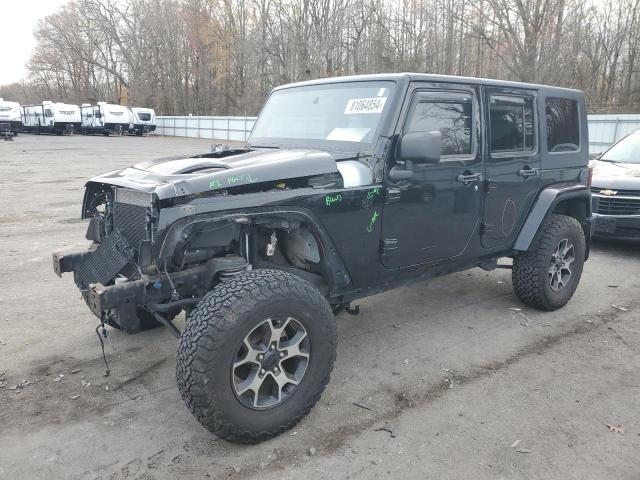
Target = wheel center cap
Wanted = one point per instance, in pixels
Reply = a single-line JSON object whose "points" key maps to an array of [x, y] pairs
{"points": [[270, 360]]}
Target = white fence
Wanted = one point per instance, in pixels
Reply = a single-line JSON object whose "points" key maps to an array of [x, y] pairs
{"points": [[604, 130], [219, 128]]}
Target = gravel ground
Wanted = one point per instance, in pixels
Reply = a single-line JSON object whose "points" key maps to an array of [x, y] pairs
{"points": [[442, 380]]}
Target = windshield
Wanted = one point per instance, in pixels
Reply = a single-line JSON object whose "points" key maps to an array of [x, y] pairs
{"points": [[626, 150], [329, 114]]}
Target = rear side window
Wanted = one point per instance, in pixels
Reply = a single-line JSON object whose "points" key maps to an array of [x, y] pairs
{"points": [[451, 118], [512, 125], [563, 132]]}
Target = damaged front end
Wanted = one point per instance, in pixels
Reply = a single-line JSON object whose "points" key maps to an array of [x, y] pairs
{"points": [[120, 277], [166, 232]]}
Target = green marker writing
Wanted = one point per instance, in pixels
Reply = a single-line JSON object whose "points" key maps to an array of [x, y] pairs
{"points": [[374, 217], [332, 199]]}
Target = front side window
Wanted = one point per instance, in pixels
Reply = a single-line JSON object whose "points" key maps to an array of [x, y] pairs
{"points": [[48, 113], [563, 125], [326, 113], [451, 118], [511, 123]]}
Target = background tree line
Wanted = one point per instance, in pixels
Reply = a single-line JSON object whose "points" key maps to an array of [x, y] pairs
{"points": [[223, 56]]}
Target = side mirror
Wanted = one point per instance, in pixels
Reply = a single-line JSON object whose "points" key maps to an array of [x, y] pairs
{"points": [[421, 147]]}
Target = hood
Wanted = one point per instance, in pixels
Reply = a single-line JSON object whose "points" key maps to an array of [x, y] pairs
{"points": [[614, 175], [178, 176]]}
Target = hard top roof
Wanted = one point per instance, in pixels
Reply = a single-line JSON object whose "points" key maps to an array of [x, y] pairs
{"points": [[408, 76]]}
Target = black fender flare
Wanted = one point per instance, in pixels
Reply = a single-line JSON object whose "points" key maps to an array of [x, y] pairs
{"points": [[545, 204], [339, 276]]}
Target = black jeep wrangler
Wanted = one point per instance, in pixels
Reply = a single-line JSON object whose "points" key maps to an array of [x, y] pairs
{"points": [[346, 187]]}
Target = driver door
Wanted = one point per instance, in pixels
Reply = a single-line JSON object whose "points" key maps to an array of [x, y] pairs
{"points": [[432, 213]]}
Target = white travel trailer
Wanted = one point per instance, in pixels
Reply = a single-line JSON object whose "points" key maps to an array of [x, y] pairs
{"points": [[105, 118], [141, 120], [10, 118], [51, 117]]}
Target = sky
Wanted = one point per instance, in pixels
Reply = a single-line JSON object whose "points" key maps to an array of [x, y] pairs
{"points": [[18, 18]]}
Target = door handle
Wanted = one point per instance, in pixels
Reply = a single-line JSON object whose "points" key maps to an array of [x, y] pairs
{"points": [[467, 178], [527, 172]]}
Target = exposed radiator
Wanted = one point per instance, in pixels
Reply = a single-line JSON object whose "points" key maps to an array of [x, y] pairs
{"points": [[129, 214]]}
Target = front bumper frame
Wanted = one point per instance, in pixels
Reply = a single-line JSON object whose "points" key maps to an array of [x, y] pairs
{"points": [[127, 305]]}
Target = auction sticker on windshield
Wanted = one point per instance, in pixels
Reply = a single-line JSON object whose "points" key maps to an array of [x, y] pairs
{"points": [[365, 105]]}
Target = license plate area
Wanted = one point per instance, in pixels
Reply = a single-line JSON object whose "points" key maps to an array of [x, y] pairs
{"points": [[605, 225]]}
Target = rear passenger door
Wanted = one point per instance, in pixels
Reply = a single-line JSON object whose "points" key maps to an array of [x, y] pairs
{"points": [[512, 163]]}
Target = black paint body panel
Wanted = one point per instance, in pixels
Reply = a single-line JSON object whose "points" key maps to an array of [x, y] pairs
{"points": [[379, 235]]}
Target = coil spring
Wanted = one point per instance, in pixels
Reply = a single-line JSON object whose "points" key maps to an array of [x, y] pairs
{"points": [[225, 275]]}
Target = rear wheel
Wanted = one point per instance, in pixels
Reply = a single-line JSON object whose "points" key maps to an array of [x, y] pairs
{"points": [[547, 275], [255, 355]]}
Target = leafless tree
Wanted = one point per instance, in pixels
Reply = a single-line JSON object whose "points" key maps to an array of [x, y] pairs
{"points": [[223, 56]]}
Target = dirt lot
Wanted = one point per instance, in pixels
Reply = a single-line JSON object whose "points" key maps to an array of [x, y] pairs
{"points": [[438, 380]]}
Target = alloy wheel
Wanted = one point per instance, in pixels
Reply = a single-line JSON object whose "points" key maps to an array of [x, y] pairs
{"points": [[560, 265], [271, 362]]}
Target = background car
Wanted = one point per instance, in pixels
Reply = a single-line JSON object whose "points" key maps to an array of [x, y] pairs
{"points": [[616, 190]]}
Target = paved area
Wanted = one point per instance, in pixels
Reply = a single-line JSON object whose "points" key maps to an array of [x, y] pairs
{"points": [[439, 380]]}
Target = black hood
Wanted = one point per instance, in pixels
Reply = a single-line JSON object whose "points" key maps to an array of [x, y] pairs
{"points": [[615, 175], [177, 176]]}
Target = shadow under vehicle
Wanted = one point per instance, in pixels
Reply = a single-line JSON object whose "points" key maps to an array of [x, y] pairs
{"points": [[347, 187]]}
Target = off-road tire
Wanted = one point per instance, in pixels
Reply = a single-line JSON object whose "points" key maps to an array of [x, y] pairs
{"points": [[211, 338], [530, 274]]}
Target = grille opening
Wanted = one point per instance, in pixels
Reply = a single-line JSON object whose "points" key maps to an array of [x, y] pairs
{"points": [[616, 206]]}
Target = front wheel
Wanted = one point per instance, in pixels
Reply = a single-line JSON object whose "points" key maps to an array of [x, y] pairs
{"points": [[255, 355], [547, 275]]}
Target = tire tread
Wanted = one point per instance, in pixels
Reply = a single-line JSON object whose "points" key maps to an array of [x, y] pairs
{"points": [[530, 268], [204, 334]]}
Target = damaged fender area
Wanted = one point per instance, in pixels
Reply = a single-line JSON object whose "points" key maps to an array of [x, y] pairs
{"points": [[280, 238], [196, 253]]}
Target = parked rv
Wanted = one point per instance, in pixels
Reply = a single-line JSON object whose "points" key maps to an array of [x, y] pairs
{"points": [[105, 118], [10, 118], [50, 117], [141, 120]]}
